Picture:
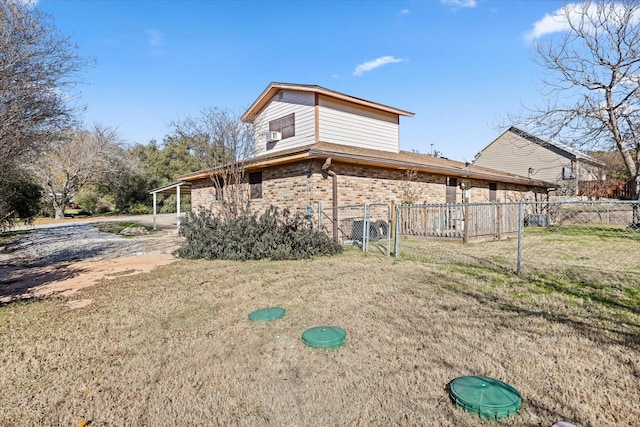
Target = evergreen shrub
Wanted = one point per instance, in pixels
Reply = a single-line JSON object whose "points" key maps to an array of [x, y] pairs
{"points": [[275, 235]]}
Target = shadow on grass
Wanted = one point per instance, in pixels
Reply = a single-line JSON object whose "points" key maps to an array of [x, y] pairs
{"points": [[578, 284], [606, 312]]}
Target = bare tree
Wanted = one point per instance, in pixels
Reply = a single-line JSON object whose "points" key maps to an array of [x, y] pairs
{"points": [[593, 81], [74, 159], [223, 144], [38, 67], [409, 191]]}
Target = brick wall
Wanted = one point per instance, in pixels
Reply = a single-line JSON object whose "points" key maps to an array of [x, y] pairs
{"points": [[298, 184]]}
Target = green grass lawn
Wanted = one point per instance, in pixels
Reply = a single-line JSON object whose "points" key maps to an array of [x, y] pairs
{"points": [[117, 227]]}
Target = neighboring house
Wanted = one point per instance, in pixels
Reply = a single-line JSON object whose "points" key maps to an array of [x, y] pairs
{"points": [[520, 153], [313, 143]]}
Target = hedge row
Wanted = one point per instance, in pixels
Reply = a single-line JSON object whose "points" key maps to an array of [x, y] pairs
{"points": [[273, 235]]}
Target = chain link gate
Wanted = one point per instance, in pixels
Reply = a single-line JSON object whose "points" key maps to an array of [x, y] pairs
{"points": [[367, 225]]}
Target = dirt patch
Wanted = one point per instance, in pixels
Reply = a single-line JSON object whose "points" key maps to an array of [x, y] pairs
{"points": [[61, 260]]}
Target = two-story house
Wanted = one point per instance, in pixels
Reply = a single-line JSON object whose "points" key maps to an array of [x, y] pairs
{"points": [[518, 152], [314, 144]]}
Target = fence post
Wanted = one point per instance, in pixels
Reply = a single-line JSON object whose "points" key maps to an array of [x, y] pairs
{"points": [[390, 224], [319, 217], [396, 242], [365, 230], [465, 218], [392, 220], [498, 221], [520, 227]]}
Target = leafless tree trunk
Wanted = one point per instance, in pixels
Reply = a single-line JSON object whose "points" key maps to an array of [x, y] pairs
{"points": [[223, 143], [37, 69], [593, 83], [73, 160]]}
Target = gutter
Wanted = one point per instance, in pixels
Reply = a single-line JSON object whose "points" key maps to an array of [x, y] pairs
{"points": [[334, 201]]}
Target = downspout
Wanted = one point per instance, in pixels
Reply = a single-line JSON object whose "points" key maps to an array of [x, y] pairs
{"points": [[334, 177]]}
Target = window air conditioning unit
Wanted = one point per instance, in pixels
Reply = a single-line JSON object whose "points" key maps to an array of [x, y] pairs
{"points": [[273, 136], [567, 173]]}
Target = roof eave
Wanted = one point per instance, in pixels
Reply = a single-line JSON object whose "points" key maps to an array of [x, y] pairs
{"points": [[273, 89], [439, 170], [166, 188], [310, 152]]}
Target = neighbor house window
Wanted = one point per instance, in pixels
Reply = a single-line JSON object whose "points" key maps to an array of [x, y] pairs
{"points": [[255, 185], [493, 192], [285, 125]]}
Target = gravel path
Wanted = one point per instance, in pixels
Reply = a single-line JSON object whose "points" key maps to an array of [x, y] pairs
{"points": [[67, 243]]}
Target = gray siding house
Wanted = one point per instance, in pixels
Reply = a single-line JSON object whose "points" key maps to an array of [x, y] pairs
{"points": [[520, 153]]}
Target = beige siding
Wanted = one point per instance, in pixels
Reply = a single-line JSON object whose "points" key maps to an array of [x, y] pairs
{"points": [[300, 103], [348, 124], [590, 172], [514, 154]]}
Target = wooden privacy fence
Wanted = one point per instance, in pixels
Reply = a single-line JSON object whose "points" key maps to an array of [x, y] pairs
{"points": [[606, 189], [466, 221]]}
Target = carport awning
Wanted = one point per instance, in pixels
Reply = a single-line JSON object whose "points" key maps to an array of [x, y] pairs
{"points": [[185, 188], [177, 188]]}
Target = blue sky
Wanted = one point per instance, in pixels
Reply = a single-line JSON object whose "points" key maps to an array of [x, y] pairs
{"points": [[461, 66]]}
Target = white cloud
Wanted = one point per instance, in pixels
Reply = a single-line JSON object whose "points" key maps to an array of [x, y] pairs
{"points": [[631, 80], [155, 40], [549, 24], [404, 12], [378, 62], [559, 20], [459, 4]]}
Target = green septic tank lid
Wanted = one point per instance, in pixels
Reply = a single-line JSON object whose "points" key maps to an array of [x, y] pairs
{"points": [[487, 397], [267, 314], [324, 337]]}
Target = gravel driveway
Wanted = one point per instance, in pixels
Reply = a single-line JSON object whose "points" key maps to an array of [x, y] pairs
{"points": [[67, 243], [53, 243], [78, 254]]}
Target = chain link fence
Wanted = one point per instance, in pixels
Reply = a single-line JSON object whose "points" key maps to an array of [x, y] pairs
{"points": [[575, 238], [367, 226], [560, 237]]}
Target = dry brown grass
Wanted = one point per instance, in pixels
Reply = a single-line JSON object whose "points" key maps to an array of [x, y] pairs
{"points": [[175, 347]]}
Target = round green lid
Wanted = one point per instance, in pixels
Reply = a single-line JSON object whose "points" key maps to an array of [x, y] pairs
{"points": [[324, 337], [488, 397], [266, 314]]}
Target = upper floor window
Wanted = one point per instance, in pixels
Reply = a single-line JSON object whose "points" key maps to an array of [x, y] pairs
{"points": [[285, 125]]}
